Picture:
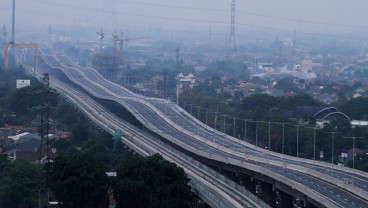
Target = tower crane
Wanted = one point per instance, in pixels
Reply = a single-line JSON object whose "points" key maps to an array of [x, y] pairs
{"points": [[122, 40], [115, 40], [101, 35]]}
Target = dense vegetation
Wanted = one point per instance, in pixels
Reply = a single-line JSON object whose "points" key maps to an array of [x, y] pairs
{"points": [[151, 182], [22, 184], [80, 180]]}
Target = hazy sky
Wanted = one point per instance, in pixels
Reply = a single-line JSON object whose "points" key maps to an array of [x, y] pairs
{"points": [[317, 16]]}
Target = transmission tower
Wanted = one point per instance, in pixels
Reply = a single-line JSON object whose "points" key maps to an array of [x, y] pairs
{"points": [[45, 113], [232, 40], [13, 24]]}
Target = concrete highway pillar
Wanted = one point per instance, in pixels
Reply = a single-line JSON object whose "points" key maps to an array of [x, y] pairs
{"points": [[307, 204], [286, 200], [268, 194]]}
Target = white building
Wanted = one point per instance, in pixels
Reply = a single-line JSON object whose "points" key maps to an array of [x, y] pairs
{"points": [[23, 83], [185, 82]]}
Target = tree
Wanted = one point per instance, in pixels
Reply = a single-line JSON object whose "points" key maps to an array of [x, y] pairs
{"points": [[298, 100], [259, 106], [22, 184], [80, 134], [151, 182], [78, 181], [356, 108]]}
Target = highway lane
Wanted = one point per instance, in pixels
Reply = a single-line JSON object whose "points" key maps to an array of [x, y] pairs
{"points": [[111, 120], [155, 118]]}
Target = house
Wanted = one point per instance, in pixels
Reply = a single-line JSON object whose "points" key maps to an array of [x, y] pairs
{"points": [[19, 129], [24, 136], [26, 146]]}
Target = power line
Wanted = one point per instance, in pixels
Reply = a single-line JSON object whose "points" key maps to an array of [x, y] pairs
{"points": [[302, 20], [210, 10], [173, 6], [211, 21], [248, 13]]}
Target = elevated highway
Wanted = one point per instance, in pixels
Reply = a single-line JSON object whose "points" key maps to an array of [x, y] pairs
{"points": [[215, 189], [173, 124]]}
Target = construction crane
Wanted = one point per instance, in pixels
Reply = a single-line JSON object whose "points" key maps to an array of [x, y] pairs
{"points": [[101, 36], [115, 40], [123, 40]]}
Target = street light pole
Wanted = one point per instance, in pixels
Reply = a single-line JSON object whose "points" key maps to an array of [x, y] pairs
{"points": [[314, 145], [269, 136], [206, 115], [191, 108], [234, 127], [297, 142], [225, 123], [216, 119], [177, 94], [256, 134], [198, 112], [354, 138], [333, 144], [245, 129]]}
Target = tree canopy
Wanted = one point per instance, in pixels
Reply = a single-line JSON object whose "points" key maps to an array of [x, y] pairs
{"points": [[356, 108], [151, 182], [21, 184], [78, 181]]}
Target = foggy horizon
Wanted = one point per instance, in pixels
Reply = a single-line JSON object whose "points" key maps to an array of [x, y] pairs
{"points": [[326, 18]]}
